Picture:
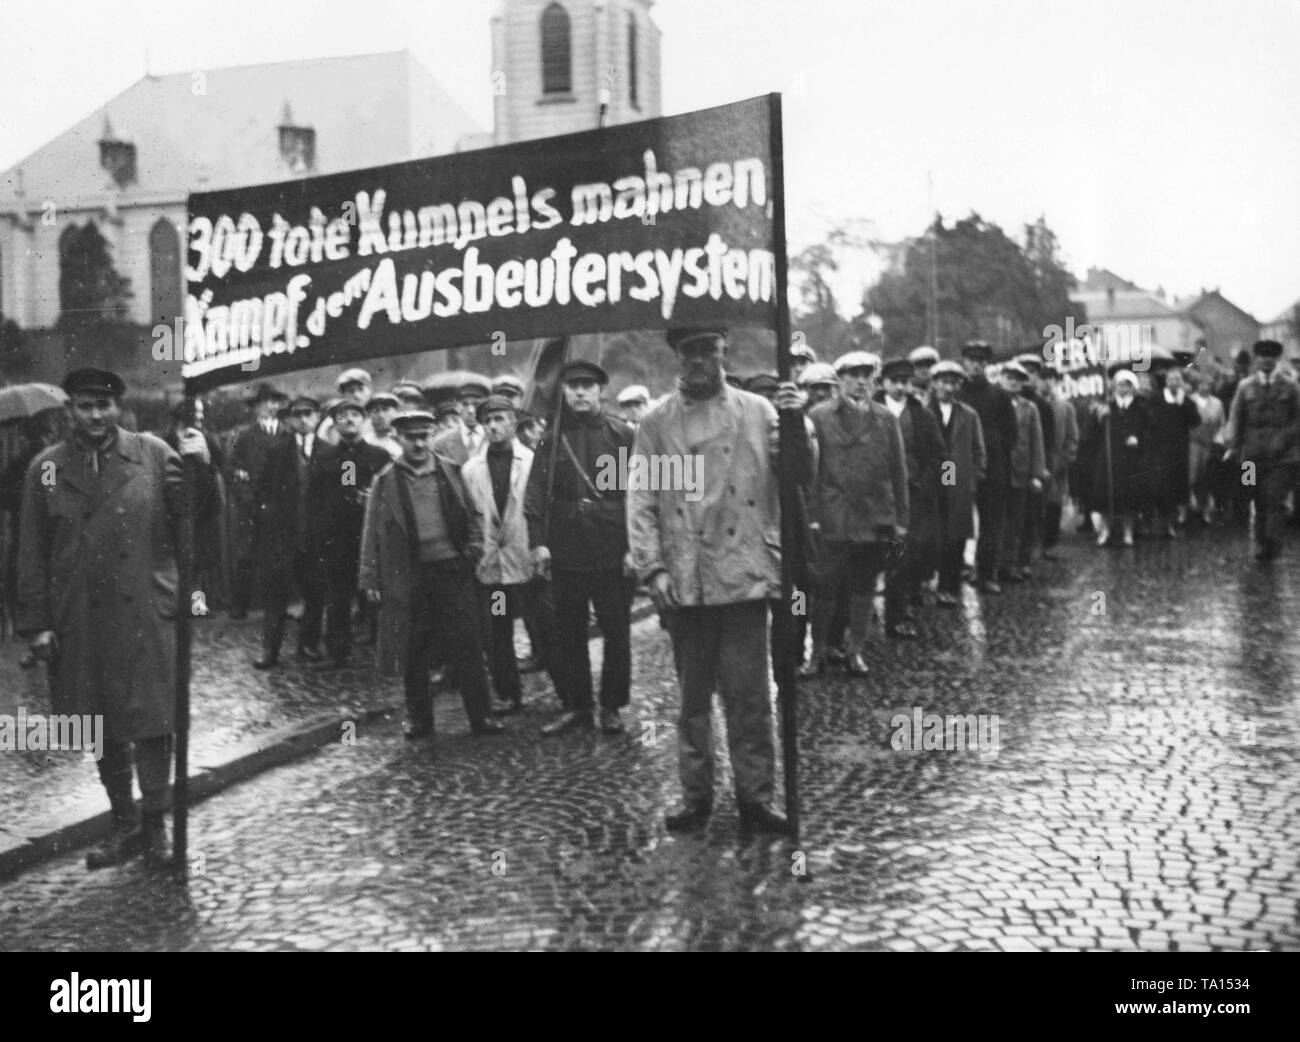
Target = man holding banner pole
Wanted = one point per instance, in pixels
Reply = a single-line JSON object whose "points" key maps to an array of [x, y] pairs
{"points": [[711, 561]]}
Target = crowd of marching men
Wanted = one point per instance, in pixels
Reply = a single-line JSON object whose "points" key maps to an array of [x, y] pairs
{"points": [[428, 530]]}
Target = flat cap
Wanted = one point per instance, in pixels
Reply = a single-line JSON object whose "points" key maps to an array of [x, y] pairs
{"points": [[304, 401], [803, 351], [980, 349], [761, 383], [494, 403], [475, 387], [94, 381], [857, 360], [408, 391], [679, 336], [634, 393], [923, 355], [1030, 362], [335, 407], [897, 369], [818, 373], [1014, 368], [1267, 349], [352, 376], [414, 418], [508, 382], [380, 398], [581, 369], [445, 409], [947, 368]]}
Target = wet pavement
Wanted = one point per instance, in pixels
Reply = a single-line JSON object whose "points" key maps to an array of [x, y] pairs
{"points": [[1135, 785]]}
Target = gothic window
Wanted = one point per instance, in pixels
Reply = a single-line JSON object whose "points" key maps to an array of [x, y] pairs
{"points": [[164, 271], [557, 65]]}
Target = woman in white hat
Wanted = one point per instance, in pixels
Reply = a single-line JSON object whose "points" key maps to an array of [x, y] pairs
{"points": [[1119, 453]]}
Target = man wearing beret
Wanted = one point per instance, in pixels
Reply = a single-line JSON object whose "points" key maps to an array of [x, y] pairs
{"points": [[287, 554], [96, 588], [577, 529], [923, 447], [468, 439], [339, 478], [496, 482], [712, 559], [960, 474], [416, 550], [1263, 436], [247, 459], [998, 424]]}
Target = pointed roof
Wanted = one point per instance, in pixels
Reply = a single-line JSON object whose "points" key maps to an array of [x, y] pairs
{"points": [[218, 128]]}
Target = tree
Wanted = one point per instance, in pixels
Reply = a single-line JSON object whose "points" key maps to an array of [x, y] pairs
{"points": [[16, 359], [986, 286], [818, 318]]}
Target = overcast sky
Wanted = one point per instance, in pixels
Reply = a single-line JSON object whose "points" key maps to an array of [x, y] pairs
{"points": [[1159, 139]]}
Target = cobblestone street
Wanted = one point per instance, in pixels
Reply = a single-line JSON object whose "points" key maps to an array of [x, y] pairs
{"points": [[1138, 788]]}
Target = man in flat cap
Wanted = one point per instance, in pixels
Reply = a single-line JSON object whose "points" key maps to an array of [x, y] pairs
{"points": [[511, 388], [923, 359], [380, 410], [960, 474], [97, 585], [496, 482], [923, 448], [711, 559], [416, 550], [339, 478], [354, 385], [998, 423], [577, 529], [287, 553], [247, 459], [1263, 435], [1026, 475], [468, 439], [410, 397], [801, 357], [858, 506]]}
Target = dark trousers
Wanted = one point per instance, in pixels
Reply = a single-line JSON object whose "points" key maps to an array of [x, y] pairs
{"points": [[908, 569], [307, 572], [150, 759], [609, 594], [241, 586], [1052, 525], [1031, 531], [340, 595], [846, 573], [1017, 500], [991, 502], [445, 614], [723, 648], [533, 600], [951, 558], [1273, 481]]}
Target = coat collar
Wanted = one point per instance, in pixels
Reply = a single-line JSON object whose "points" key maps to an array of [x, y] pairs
{"points": [[77, 472]]}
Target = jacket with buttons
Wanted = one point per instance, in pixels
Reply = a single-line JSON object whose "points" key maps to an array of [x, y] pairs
{"points": [[860, 494], [718, 532]]}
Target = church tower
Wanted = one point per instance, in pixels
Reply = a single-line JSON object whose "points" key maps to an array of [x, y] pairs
{"points": [[555, 62]]}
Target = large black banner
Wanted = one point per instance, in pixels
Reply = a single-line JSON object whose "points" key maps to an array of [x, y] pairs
{"points": [[639, 226]]}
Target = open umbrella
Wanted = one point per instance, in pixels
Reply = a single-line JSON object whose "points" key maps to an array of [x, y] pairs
{"points": [[23, 400]]}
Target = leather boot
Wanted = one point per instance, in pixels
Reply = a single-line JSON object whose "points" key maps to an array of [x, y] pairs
{"points": [[688, 818], [124, 842], [156, 841], [757, 817]]}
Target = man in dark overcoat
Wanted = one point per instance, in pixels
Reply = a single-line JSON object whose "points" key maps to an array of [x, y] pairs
{"points": [[960, 472], [96, 590]]}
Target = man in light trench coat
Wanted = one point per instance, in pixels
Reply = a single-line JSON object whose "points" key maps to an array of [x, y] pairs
{"points": [[710, 556], [96, 590]]}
